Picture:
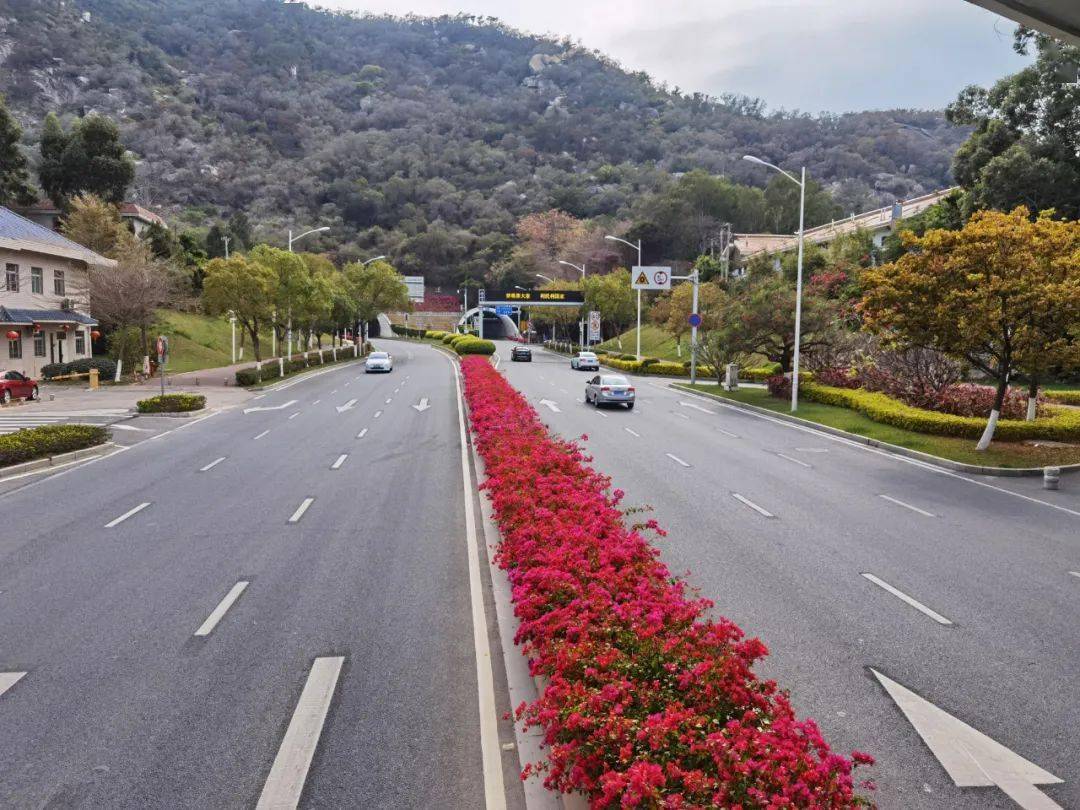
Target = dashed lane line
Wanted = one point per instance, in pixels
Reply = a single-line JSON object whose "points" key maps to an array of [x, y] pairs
{"points": [[207, 627], [126, 515], [377, 414], [752, 505], [922, 512], [362, 433], [903, 597], [794, 460], [303, 507], [677, 460], [293, 416], [260, 435], [632, 432], [212, 464], [340, 460]]}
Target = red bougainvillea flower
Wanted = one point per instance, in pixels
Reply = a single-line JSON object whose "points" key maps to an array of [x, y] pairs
{"points": [[649, 702]]}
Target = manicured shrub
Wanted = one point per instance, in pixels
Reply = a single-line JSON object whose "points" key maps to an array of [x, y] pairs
{"points": [[759, 373], [474, 346], [650, 702], [172, 403], [247, 376], [448, 337], [1063, 397], [48, 440], [104, 365]]}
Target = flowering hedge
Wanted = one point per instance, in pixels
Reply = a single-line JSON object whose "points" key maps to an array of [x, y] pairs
{"points": [[649, 702]]}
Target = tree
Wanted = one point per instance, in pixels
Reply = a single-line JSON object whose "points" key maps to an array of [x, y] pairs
{"points": [[95, 224], [1025, 149], [293, 284], [88, 159], [15, 186], [372, 290], [612, 297], [243, 288], [129, 294], [672, 311], [1001, 293]]}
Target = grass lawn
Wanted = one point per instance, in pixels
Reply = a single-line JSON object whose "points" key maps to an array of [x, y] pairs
{"points": [[1000, 454], [199, 341], [655, 342]]}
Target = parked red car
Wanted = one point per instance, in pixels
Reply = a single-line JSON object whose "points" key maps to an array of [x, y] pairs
{"points": [[14, 385]]}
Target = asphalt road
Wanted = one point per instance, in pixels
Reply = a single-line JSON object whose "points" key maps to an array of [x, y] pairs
{"points": [[795, 537], [154, 677]]}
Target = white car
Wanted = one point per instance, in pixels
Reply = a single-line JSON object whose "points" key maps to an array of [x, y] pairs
{"points": [[585, 361], [379, 361]]}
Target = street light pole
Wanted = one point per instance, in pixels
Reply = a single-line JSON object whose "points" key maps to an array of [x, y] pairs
{"points": [[638, 248], [798, 275], [581, 321], [288, 328]]}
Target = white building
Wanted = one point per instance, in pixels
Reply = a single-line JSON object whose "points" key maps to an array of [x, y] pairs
{"points": [[44, 296]]}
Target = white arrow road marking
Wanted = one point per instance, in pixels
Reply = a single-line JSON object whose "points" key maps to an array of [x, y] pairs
{"points": [[632, 432], [903, 597], [281, 407], [423, 406], [126, 515], [129, 427], [752, 505], [289, 771], [361, 434], [906, 506], [348, 406], [340, 460], [303, 507], [677, 460], [793, 460], [9, 679], [212, 464], [207, 627], [697, 407], [552, 405], [970, 757]]}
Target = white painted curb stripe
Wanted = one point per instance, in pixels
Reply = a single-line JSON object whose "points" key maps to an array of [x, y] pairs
{"points": [[361, 434], [903, 597], [299, 513], [126, 515], [490, 755], [793, 460], [289, 771], [340, 460], [907, 506], [208, 626], [677, 460], [9, 679], [752, 505], [212, 464]]}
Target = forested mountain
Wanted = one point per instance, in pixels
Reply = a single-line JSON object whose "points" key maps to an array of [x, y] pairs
{"points": [[421, 138]]}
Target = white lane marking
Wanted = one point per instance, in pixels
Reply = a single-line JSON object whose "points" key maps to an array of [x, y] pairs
{"points": [[261, 435], [601, 413], [260, 396], [303, 507], [632, 432], [892, 456], [333, 392], [422, 405], [676, 459], [389, 401], [348, 406], [397, 389], [490, 755], [377, 414], [1075, 573], [295, 415], [289, 771], [553, 406], [907, 506], [340, 460], [126, 515], [212, 464], [811, 450], [316, 402], [970, 757], [793, 460], [346, 385], [752, 505], [361, 434], [280, 407], [903, 597], [680, 415], [129, 427], [697, 407], [498, 359], [207, 627], [725, 432], [9, 679]]}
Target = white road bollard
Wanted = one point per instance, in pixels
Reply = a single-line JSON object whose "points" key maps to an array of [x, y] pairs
{"points": [[334, 351], [731, 377], [1051, 477], [281, 366]]}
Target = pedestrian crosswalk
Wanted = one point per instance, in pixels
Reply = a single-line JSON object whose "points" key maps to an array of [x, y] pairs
{"points": [[13, 421]]}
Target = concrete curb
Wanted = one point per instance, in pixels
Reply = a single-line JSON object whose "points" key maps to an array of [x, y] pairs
{"points": [[54, 461], [181, 414], [936, 461]]}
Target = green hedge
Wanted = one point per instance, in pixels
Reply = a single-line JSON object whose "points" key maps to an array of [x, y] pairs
{"points": [[48, 440], [1064, 397], [172, 403], [473, 345], [1061, 425], [761, 373], [105, 365], [435, 334], [407, 331], [252, 375]]}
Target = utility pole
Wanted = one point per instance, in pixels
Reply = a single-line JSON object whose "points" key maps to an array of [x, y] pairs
{"points": [[225, 239]]}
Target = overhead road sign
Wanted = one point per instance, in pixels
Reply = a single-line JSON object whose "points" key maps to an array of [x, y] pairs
{"points": [[416, 287], [504, 309], [549, 297], [650, 278]]}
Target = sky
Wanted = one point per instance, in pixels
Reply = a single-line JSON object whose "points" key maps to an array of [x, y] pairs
{"points": [[810, 55]]}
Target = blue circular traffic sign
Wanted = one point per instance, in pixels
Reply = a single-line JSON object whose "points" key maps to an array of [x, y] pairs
{"points": [[695, 319]]}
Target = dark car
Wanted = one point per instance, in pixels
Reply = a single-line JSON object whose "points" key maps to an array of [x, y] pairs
{"points": [[14, 385], [523, 353]]}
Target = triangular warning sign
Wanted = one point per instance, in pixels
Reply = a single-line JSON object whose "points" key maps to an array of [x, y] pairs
{"points": [[642, 278]]}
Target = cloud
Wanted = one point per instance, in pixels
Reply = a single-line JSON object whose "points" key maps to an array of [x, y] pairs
{"points": [[811, 55]]}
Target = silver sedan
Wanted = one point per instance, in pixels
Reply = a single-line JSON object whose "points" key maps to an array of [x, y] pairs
{"points": [[609, 389]]}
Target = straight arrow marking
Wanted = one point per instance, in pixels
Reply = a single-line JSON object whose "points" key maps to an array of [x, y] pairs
{"points": [[552, 405], [273, 408], [423, 406], [970, 757], [9, 679], [347, 406]]}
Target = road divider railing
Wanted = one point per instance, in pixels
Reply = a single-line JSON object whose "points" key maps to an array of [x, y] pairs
{"points": [[648, 702]]}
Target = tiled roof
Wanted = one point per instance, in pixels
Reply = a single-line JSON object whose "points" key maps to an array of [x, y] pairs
{"points": [[136, 210], [20, 229], [29, 316]]}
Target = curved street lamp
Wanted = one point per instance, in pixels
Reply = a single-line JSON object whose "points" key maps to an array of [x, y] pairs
{"points": [[798, 276], [638, 248]]}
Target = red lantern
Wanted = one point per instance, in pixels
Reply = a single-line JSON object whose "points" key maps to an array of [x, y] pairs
{"points": [[67, 327], [37, 327], [12, 335], [95, 334]]}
